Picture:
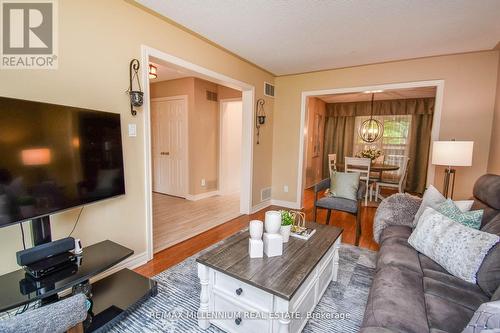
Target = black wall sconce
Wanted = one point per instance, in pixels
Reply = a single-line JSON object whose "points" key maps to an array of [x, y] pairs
{"points": [[136, 96], [260, 116]]}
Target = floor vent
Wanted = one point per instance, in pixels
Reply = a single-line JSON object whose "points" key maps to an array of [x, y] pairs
{"points": [[268, 89], [265, 194]]}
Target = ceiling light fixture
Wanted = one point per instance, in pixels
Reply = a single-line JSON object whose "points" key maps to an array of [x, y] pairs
{"points": [[371, 130], [153, 72], [372, 91]]}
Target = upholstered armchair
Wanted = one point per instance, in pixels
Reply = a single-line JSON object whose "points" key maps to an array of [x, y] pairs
{"points": [[341, 204]]}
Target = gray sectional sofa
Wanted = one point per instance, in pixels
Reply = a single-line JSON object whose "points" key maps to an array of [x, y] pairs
{"points": [[413, 294]]}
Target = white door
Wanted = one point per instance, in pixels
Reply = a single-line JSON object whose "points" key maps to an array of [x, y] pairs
{"points": [[169, 145], [230, 147]]}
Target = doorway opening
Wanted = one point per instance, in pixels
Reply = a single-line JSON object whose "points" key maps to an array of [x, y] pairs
{"points": [[332, 120], [198, 134]]}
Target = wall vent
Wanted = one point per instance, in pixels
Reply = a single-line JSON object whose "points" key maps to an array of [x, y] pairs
{"points": [[212, 96], [268, 89], [265, 194]]}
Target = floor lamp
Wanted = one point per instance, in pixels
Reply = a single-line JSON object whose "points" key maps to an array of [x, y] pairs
{"points": [[450, 154]]}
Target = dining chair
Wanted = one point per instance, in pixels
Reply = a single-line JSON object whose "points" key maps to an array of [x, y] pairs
{"points": [[352, 207], [399, 183], [377, 175], [362, 166], [332, 162]]}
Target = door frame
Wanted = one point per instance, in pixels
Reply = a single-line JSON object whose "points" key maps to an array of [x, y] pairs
{"points": [[186, 136], [436, 122], [248, 100], [221, 102]]}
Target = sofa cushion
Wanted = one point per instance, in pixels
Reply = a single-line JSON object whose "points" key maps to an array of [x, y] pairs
{"points": [[487, 190], [396, 301], [427, 263], [468, 296], [496, 295], [398, 253], [445, 315], [488, 276], [398, 231], [488, 213]]}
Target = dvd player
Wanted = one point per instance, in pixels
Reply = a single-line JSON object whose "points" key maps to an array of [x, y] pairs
{"points": [[50, 265]]}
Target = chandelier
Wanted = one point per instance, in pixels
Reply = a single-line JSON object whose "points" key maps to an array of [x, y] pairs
{"points": [[371, 130]]}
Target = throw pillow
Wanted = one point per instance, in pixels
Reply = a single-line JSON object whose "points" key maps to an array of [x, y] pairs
{"points": [[485, 319], [344, 185], [458, 249], [433, 198], [469, 219]]}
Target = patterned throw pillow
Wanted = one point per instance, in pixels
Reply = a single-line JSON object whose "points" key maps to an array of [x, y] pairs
{"points": [[344, 185], [458, 249], [433, 198], [469, 219]]}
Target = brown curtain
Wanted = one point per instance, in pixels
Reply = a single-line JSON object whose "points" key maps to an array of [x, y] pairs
{"points": [[340, 127], [339, 139], [420, 142]]}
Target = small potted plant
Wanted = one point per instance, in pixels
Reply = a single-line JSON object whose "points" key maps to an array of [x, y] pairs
{"points": [[287, 219]]}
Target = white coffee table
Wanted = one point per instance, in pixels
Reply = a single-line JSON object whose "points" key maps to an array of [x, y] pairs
{"points": [[266, 295]]}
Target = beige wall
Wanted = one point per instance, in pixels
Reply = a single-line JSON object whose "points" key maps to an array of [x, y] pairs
{"points": [[494, 162], [469, 97], [97, 40], [204, 139], [203, 127], [314, 164]]}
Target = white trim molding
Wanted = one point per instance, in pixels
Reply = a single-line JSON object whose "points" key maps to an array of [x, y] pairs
{"points": [[248, 97], [196, 197], [260, 206], [286, 204], [436, 123]]}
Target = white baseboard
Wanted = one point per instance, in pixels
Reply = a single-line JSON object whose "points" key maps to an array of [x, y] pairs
{"points": [[130, 263], [286, 204], [261, 205], [196, 197]]}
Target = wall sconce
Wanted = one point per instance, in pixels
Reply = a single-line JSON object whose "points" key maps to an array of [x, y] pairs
{"points": [[153, 71], [260, 116], [136, 96]]}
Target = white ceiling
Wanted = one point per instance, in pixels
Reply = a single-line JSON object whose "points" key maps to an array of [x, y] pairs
{"points": [[420, 92], [297, 36]]}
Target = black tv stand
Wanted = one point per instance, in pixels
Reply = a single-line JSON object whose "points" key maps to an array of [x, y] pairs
{"points": [[111, 296]]}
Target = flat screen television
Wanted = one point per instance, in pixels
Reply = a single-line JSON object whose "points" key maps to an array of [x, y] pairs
{"points": [[55, 157]]}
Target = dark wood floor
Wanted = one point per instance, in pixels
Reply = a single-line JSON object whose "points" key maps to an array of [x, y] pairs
{"points": [[177, 253]]}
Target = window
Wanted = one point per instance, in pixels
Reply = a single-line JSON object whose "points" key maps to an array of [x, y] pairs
{"points": [[394, 144]]}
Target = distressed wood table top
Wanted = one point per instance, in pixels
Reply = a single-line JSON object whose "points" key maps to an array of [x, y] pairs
{"points": [[282, 275]]}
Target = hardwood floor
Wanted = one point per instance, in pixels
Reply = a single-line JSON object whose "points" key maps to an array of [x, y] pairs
{"points": [[177, 253], [176, 219]]}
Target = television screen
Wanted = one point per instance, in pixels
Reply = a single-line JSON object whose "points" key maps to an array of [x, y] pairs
{"points": [[55, 157]]}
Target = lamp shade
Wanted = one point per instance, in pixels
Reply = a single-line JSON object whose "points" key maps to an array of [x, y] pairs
{"points": [[452, 153]]}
